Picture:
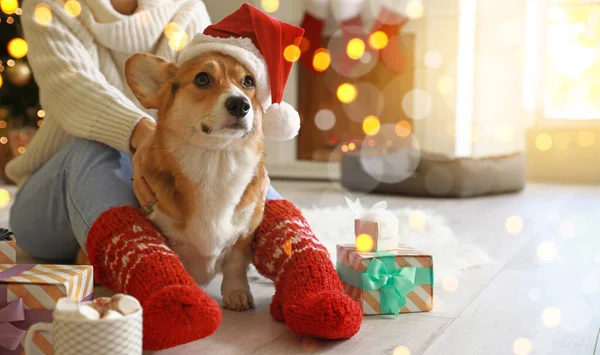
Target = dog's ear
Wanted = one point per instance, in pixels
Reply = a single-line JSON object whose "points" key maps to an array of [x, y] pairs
{"points": [[146, 74]]}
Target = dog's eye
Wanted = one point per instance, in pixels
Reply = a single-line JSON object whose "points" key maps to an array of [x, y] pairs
{"points": [[202, 80], [248, 82]]}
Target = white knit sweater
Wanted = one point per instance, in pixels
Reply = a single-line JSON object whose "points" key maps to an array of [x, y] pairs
{"points": [[77, 63]]}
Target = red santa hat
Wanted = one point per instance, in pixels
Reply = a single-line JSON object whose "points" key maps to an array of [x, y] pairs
{"points": [[258, 41]]}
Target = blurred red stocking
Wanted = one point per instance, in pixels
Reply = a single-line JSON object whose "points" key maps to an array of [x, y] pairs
{"points": [[348, 13], [313, 24], [384, 35]]}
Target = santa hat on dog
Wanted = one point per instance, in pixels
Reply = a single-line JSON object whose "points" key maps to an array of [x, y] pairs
{"points": [[258, 41]]}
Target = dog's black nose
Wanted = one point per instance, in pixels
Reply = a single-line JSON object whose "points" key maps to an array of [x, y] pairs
{"points": [[237, 106]]}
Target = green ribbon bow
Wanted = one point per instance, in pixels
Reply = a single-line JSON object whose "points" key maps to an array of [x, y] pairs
{"points": [[394, 285]]}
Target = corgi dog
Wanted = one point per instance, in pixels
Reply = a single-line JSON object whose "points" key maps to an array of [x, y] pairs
{"points": [[206, 164]]}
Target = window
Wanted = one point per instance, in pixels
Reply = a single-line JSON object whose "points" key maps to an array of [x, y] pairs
{"points": [[572, 61]]}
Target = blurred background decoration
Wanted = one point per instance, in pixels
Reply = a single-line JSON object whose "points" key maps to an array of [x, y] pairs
{"points": [[407, 91], [20, 113]]}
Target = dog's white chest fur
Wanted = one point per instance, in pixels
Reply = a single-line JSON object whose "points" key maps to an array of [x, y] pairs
{"points": [[222, 177]]}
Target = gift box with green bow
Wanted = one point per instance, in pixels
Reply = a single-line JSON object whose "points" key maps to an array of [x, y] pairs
{"points": [[387, 282], [8, 247]]}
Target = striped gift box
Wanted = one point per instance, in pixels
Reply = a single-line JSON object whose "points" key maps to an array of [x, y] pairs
{"points": [[8, 251], [38, 287], [410, 272]]}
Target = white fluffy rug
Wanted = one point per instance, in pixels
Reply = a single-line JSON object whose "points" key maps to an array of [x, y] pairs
{"points": [[421, 229]]}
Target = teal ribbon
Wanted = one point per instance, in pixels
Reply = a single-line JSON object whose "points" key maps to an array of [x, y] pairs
{"points": [[393, 283]]}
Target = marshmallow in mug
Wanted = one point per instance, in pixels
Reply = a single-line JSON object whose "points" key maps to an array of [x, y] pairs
{"points": [[113, 307]]}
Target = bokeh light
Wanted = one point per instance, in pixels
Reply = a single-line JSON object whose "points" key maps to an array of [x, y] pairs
{"points": [[269, 5], [3, 124], [567, 229], [292, 53], [347, 93], [504, 134], [73, 8], [576, 314], [41, 113], [586, 138], [351, 147], [42, 14], [562, 140], [325, 120], [514, 224], [3, 140], [414, 9], [439, 181], [551, 317], [547, 251], [417, 104], [4, 198], [10, 20], [371, 125], [304, 44], [535, 294], [17, 48], [21, 150], [10, 62], [433, 59], [543, 142], [355, 48], [364, 243], [40, 123], [589, 285], [170, 28], [378, 40], [417, 221], [321, 60], [370, 102], [344, 148], [403, 128], [1, 81], [446, 85], [522, 346], [450, 283], [390, 165], [401, 350], [178, 40], [9, 6]]}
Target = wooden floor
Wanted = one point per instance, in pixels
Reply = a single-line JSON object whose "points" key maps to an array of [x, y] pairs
{"points": [[541, 297]]}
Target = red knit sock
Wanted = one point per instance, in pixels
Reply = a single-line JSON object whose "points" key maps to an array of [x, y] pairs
{"points": [[390, 22], [348, 13], [130, 256], [351, 30], [309, 296], [313, 34]]}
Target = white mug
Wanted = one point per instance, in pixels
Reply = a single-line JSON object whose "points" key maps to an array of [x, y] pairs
{"points": [[122, 336]]}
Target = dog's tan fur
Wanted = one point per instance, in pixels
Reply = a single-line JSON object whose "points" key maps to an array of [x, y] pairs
{"points": [[210, 186]]}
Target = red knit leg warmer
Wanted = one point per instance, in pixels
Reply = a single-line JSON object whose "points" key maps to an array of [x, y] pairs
{"points": [[131, 256], [309, 296]]}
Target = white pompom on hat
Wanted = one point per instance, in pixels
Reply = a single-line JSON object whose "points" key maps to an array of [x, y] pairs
{"points": [[258, 41]]}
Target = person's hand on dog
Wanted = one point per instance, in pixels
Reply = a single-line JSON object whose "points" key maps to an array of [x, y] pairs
{"points": [[141, 141]]}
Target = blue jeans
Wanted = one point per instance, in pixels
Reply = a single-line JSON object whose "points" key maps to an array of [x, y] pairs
{"points": [[54, 210]]}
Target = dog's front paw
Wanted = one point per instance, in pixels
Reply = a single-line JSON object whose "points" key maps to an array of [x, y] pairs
{"points": [[238, 300]]}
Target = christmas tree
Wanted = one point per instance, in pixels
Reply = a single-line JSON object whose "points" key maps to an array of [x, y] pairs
{"points": [[19, 106], [20, 112]]}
